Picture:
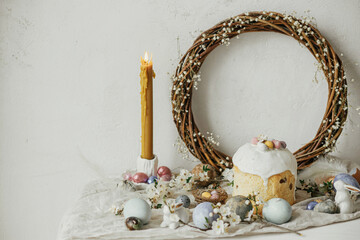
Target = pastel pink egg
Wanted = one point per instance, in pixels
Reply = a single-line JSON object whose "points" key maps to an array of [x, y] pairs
{"points": [[214, 197], [163, 170], [277, 144], [254, 140], [214, 192], [166, 177], [283, 144], [127, 176], [140, 177]]}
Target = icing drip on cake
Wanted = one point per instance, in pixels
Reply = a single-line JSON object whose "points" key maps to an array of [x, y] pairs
{"points": [[264, 162]]}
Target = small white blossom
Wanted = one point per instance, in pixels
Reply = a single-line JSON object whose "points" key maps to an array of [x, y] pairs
{"points": [[234, 219], [228, 174], [224, 210], [219, 227], [116, 209]]}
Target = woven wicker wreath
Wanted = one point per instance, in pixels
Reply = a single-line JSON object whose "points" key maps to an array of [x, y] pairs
{"points": [[186, 73]]}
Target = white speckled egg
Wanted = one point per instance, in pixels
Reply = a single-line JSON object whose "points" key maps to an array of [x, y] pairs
{"points": [[277, 210], [139, 208]]}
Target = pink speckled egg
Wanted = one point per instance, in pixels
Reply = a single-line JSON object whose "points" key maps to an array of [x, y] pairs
{"points": [[277, 144], [166, 177], [254, 141], [163, 170], [283, 144], [215, 197], [214, 192], [140, 177]]}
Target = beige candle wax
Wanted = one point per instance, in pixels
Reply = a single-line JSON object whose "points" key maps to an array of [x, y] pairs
{"points": [[146, 83]]}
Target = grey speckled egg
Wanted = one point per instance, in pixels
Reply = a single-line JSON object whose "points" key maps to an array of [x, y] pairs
{"points": [[133, 223], [240, 205], [184, 199], [327, 206]]}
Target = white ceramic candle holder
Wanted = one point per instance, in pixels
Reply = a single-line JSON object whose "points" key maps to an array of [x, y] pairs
{"points": [[148, 166]]}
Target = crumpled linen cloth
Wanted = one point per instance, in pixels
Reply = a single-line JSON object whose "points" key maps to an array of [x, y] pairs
{"points": [[91, 218]]}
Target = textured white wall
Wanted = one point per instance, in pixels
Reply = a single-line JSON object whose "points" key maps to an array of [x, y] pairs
{"points": [[70, 104]]}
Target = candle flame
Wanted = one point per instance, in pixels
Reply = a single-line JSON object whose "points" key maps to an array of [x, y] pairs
{"points": [[146, 57]]}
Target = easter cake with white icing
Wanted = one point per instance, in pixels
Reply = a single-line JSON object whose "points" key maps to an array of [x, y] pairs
{"points": [[265, 167]]}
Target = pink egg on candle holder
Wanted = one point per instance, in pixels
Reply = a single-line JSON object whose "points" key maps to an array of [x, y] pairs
{"points": [[166, 177], [254, 140], [163, 170], [140, 177], [277, 144], [127, 176]]}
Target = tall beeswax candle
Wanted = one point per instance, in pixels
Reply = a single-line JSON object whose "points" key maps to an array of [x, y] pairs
{"points": [[146, 83]]}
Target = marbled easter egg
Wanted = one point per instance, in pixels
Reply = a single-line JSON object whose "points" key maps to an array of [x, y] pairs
{"points": [[277, 210], [151, 179], [241, 205], [133, 223], [327, 206], [277, 144], [311, 205], [139, 208], [215, 197], [203, 215], [270, 144], [140, 177], [206, 195], [163, 170], [206, 169], [183, 199]]}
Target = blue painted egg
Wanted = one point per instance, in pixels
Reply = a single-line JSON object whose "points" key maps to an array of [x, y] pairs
{"points": [[183, 199], [347, 179], [277, 210], [203, 215], [139, 208], [152, 179], [311, 205]]}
